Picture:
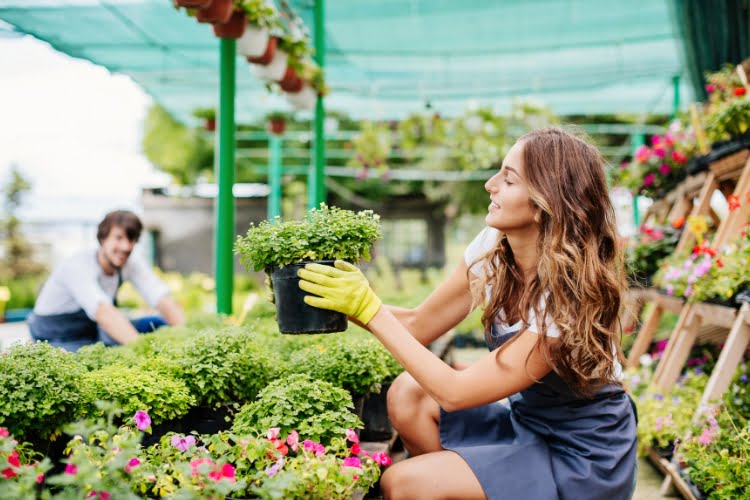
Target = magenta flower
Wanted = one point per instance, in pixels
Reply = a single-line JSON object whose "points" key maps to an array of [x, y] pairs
{"points": [[381, 458], [352, 462], [710, 88], [182, 443], [71, 469], [308, 445], [656, 140], [273, 432], [352, 436], [99, 495], [132, 464], [706, 437], [660, 152], [649, 179], [664, 169], [142, 420], [4, 432], [293, 440]]}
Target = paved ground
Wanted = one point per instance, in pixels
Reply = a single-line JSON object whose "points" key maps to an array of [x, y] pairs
{"points": [[649, 479]]}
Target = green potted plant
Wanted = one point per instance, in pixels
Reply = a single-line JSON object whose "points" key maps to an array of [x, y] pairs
{"points": [[314, 408], [276, 122], [372, 147], [208, 115], [282, 248]]}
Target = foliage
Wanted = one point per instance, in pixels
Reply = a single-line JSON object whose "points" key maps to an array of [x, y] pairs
{"points": [[716, 453], [18, 261], [205, 113], [20, 473], [260, 13], [40, 389], [175, 149], [729, 121], [653, 244], [723, 86], [372, 147], [96, 356], [418, 131], [135, 389], [325, 233], [664, 416], [355, 363], [24, 290], [737, 397], [316, 409], [224, 366]]}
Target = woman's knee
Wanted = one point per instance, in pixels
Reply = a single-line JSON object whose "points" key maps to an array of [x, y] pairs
{"points": [[404, 399], [395, 482]]}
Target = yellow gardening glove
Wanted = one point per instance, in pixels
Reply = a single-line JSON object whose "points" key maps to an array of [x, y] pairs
{"points": [[342, 288]]}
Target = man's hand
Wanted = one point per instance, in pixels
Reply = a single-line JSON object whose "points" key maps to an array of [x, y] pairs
{"points": [[342, 288]]}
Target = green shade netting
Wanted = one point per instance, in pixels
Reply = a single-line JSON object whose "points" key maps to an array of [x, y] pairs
{"points": [[387, 58]]}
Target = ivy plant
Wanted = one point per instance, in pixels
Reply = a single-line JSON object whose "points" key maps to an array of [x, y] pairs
{"points": [[325, 233], [314, 408]]}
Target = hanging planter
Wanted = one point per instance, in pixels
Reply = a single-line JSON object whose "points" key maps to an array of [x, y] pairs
{"points": [[192, 4], [276, 125], [291, 82], [234, 28], [304, 99], [267, 56], [254, 42], [275, 70], [218, 11]]}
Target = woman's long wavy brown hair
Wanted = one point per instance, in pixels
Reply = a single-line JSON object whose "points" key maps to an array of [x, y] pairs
{"points": [[580, 277]]}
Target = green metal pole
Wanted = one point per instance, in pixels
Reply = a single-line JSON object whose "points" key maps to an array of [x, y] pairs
{"points": [[274, 177], [316, 187], [637, 140], [225, 179], [675, 95]]}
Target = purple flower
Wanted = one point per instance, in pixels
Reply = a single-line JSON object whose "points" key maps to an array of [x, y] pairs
{"points": [[182, 443], [142, 420], [743, 378], [698, 371], [271, 471], [658, 397]]}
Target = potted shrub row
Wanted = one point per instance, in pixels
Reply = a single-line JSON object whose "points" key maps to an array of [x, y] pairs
{"points": [[282, 248]]}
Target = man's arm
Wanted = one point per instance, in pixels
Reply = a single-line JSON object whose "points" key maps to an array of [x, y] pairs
{"points": [[117, 326], [171, 311]]}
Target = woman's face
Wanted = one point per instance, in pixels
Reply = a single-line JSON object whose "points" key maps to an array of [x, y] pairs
{"points": [[510, 208]]}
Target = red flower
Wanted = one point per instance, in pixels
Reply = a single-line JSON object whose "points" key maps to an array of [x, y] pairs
{"points": [[355, 449], [14, 460], [719, 263], [734, 203], [739, 91]]}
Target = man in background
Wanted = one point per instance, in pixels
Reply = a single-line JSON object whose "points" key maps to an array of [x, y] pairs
{"points": [[78, 303]]}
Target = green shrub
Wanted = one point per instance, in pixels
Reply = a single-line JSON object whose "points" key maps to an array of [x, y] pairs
{"points": [[41, 388], [225, 366], [317, 410], [98, 355], [134, 389], [355, 363]]}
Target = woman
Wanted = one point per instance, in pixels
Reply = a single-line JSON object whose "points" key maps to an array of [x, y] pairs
{"points": [[549, 273]]}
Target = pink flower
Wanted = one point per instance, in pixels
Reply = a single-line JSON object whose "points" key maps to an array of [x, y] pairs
{"points": [[273, 432], [642, 154], [649, 179], [656, 140], [226, 471], [381, 458], [355, 449], [308, 445], [198, 462], [710, 88], [4, 432], [660, 152], [142, 420], [706, 437], [99, 495], [293, 440], [352, 436], [182, 443], [132, 464], [664, 169], [352, 462], [40, 478], [71, 469]]}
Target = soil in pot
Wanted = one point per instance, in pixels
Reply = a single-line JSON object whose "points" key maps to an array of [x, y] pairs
{"points": [[292, 314]]}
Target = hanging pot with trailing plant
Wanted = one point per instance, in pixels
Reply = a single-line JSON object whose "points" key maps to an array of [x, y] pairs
{"points": [[275, 70], [267, 56], [218, 11], [304, 99], [276, 123], [192, 4], [291, 82], [254, 42], [234, 28], [283, 248]]}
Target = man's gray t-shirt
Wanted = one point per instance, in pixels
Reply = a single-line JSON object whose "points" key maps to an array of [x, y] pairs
{"points": [[80, 283]]}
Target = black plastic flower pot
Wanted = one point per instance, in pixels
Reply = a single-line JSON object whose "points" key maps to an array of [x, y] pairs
{"points": [[375, 417], [292, 314]]}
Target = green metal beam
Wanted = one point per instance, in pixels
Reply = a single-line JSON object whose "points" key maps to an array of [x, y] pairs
{"points": [[675, 95], [225, 178], [316, 186], [637, 141], [274, 177]]}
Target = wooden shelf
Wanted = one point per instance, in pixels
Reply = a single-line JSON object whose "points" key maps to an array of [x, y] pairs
{"points": [[672, 476]]}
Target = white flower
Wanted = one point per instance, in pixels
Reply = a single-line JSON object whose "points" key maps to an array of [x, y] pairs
{"points": [[646, 360]]}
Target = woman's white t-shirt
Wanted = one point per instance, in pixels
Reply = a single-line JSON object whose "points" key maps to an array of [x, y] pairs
{"points": [[483, 243]]}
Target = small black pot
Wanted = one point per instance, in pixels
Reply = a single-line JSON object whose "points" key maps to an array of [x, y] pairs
{"points": [[292, 314]]}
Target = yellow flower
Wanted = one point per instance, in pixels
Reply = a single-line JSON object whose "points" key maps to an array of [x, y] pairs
{"points": [[698, 226]]}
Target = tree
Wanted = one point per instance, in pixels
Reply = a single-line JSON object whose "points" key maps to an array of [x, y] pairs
{"points": [[18, 259]]}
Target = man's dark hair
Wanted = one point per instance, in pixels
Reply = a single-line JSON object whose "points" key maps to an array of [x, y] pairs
{"points": [[128, 221]]}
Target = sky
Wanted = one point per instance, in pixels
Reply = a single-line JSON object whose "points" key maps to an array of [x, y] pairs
{"points": [[74, 129]]}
